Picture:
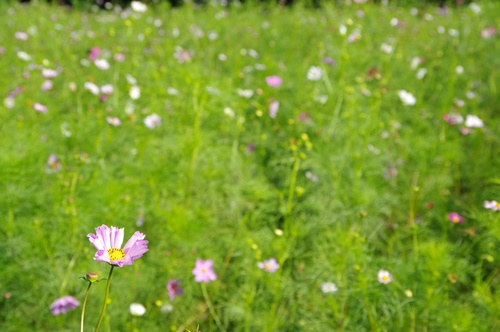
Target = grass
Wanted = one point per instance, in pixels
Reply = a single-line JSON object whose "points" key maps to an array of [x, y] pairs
{"points": [[345, 181]]}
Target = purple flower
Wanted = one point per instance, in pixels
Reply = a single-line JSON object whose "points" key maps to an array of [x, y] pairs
{"points": [[174, 288], [61, 305], [329, 61], [274, 81], [455, 218], [203, 271], [271, 265], [108, 242]]}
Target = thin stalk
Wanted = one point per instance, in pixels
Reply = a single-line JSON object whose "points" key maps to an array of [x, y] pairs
{"points": [[105, 300], [291, 189], [83, 306], [210, 307]]}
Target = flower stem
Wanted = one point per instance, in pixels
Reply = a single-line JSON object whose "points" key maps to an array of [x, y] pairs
{"points": [[210, 307], [105, 300], [83, 306]]}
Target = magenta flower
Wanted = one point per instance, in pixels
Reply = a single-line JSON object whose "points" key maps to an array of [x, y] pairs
{"points": [[274, 81], [492, 205], [94, 53], [108, 242], [61, 305], [271, 265], [204, 271], [174, 288], [455, 218]]}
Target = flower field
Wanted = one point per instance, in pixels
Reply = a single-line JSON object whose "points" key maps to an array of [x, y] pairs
{"points": [[250, 168]]}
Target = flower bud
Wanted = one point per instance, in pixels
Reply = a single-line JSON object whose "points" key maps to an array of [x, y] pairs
{"points": [[92, 277]]}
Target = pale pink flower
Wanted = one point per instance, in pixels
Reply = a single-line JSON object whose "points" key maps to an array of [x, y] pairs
{"points": [[204, 271], [114, 121], [152, 121], [40, 108], [273, 108], [102, 64], [492, 205], [270, 265], [488, 33], [21, 35], [49, 73], [47, 85]]}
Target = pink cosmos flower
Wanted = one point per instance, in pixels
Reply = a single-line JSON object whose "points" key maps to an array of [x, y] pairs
{"points": [[49, 73], [53, 164], [274, 81], [119, 57], [94, 53], [114, 121], [47, 85], [40, 108], [153, 120], [61, 305], [488, 32], [174, 288], [455, 218], [203, 271], [102, 64], [492, 205], [270, 265], [273, 108], [108, 242], [21, 35], [384, 277], [453, 118]]}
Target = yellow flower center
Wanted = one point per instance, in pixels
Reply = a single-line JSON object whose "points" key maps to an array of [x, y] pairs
{"points": [[385, 278], [203, 270], [115, 254]]}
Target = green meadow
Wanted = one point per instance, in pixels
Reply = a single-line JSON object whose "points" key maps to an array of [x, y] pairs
{"points": [[357, 145]]}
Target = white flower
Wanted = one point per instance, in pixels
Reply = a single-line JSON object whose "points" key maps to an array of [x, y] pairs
{"points": [[138, 6], [342, 29], [328, 287], [23, 56], [245, 93], [472, 121], [102, 64], [137, 309], [94, 89], [172, 91], [394, 21], [386, 48], [273, 108], [152, 121], [229, 112], [167, 308], [440, 29], [459, 70], [475, 8], [406, 97], [453, 32], [314, 73], [421, 73], [9, 102], [384, 277], [131, 79], [134, 92]]}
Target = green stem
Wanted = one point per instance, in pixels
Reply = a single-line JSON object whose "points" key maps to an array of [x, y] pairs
{"points": [[291, 189], [83, 306], [210, 307], [105, 300]]}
